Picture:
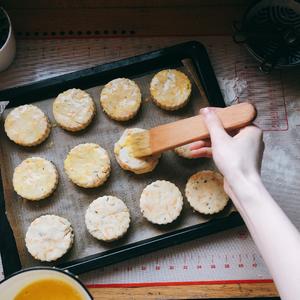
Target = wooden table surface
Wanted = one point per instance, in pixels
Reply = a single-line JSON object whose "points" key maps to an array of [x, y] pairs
{"points": [[66, 18], [216, 291]]}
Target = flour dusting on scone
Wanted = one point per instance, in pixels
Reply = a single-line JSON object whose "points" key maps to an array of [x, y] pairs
{"points": [[49, 237], [161, 202], [27, 125], [107, 218]]}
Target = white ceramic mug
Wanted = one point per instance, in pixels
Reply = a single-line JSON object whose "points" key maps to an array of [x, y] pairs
{"points": [[12, 285], [8, 50]]}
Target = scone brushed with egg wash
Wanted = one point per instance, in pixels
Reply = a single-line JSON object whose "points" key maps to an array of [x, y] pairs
{"points": [[87, 165], [35, 178], [73, 109], [27, 125], [170, 89], [121, 99], [127, 161]]}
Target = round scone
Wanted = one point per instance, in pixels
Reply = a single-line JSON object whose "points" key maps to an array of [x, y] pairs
{"points": [[107, 218], [27, 125], [170, 89], [161, 202], [205, 193], [35, 178], [87, 165], [121, 99], [73, 109], [49, 237], [184, 151], [127, 161]]}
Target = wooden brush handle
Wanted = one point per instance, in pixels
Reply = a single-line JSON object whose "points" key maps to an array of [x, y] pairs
{"points": [[169, 136]]}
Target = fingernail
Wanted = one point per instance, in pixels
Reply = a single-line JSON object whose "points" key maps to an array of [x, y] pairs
{"points": [[205, 110]]}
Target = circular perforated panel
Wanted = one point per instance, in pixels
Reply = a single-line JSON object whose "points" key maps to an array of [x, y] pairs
{"points": [[272, 32]]}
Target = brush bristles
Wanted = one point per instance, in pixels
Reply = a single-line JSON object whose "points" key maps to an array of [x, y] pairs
{"points": [[139, 144]]}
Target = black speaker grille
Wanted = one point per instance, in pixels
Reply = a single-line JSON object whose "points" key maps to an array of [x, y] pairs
{"points": [[272, 30]]}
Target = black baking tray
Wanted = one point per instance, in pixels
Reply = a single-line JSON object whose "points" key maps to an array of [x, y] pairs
{"points": [[137, 65]]}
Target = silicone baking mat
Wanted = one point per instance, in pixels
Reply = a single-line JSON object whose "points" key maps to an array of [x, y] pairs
{"points": [[229, 255]]}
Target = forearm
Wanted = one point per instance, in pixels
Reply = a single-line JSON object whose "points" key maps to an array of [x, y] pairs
{"points": [[275, 236]]}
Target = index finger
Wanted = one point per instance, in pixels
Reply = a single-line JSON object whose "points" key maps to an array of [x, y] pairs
{"points": [[214, 125]]}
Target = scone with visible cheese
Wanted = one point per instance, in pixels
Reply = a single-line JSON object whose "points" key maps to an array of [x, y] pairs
{"points": [[35, 178], [27, 125], [127, 161], [87, 165], [184, 151], [170, 89], [49, 237], [107, 218], [73, 109], [121, 99], [161, 202], [205, 193]]}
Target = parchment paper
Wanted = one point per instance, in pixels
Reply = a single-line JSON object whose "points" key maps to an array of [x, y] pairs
{"points": [[71, 202]]}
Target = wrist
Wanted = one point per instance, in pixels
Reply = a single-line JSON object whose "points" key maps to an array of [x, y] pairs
{"points": [[242, 184]]}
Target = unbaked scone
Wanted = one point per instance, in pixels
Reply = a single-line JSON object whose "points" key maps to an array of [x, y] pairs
{"points": [[170, 89], [49, 237], [87, 165], [107, 218], [27, 125], [121, 99], [127, 161], [205, 193], [73, 109], [184, 151], [161, 202], [35, 178]]}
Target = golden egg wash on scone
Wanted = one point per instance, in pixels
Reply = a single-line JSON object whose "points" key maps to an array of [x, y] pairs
{"points": [[74, 109], [35, 178], [170, 89], [121, 99], [27, 125], [88, 165], [127, 161]]}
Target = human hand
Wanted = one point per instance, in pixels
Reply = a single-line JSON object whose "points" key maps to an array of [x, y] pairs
{"points": [[237, 156]]}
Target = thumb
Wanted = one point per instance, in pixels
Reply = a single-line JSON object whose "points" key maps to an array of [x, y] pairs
{"points": [[214, 125]]}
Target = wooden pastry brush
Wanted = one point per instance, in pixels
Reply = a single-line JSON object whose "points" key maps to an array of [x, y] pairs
{"points": [[172, 135]]}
